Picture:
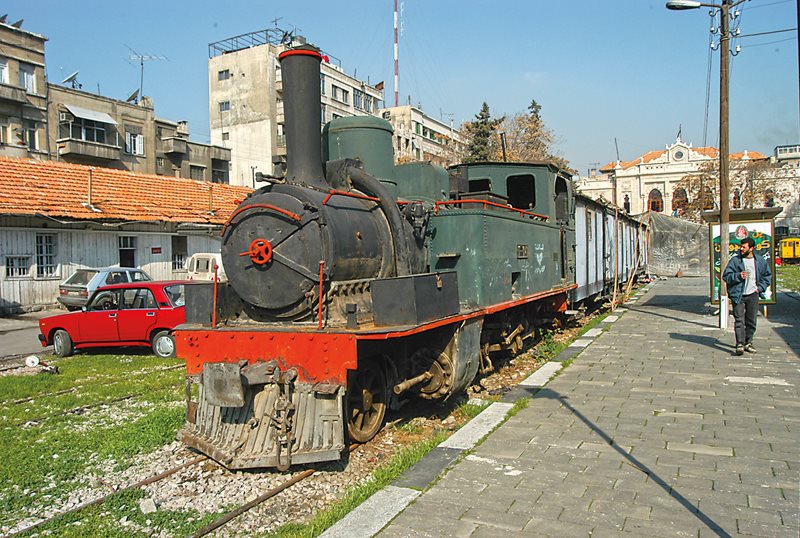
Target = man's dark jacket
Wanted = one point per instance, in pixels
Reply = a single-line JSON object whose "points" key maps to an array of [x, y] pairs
{"points": [[733, 276]]}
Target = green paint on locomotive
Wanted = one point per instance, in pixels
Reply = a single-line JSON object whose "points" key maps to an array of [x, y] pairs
{"points": [[500, 255]]}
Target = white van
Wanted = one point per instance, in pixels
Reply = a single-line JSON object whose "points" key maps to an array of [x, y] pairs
{"points": [[200, 266]]}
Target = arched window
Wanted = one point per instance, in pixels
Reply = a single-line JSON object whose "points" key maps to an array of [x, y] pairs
{"points": [[736, 201], [769, 198], [680, 200], [655, 202]]}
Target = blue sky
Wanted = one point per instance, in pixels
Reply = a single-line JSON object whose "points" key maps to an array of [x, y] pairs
{"points": [[624, 69]]}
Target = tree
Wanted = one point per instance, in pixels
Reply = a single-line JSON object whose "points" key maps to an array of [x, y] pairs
{"points": [[751, 183], [480, 142], [528, 139]]}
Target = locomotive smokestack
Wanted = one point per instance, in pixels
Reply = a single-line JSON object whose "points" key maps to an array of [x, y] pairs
{"points": [[302, 110]]}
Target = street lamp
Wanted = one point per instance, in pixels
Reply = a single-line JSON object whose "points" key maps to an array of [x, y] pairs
{"points": [[724, 197]]}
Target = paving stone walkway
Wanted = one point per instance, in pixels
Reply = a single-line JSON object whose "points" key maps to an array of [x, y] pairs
{"points": [[655, 429]]}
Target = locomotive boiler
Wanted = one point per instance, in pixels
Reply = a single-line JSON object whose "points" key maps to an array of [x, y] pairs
{"points": [[355, 285]]}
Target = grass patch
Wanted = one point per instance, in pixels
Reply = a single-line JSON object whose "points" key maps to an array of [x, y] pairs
{"points": [[788, 277], [43, 461], [381, 477]]}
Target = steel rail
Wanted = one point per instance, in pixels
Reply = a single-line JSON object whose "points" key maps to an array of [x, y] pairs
{"points": [[104, 498], [211, 527]]}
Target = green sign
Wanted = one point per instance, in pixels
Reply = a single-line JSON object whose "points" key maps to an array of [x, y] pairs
{"points": [[762, 233]]}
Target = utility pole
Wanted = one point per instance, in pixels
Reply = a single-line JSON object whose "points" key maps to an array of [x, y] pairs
{"points": [[724, 197]]}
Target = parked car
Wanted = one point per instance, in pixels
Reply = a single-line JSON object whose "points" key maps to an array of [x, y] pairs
{"points": [[200, 266], [132, 314], [76, 290]]}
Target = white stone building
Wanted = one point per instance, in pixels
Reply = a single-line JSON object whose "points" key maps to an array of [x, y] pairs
{"points": [[246, 103]]}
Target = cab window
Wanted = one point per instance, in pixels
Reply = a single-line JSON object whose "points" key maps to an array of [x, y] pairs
{"points": [[521, 191]]}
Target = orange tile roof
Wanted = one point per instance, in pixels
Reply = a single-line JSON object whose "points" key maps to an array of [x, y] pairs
{"points": [[707, 151], [58, 189]]}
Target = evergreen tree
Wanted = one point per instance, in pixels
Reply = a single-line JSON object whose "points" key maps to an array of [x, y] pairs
{"points": [[479, 134]]}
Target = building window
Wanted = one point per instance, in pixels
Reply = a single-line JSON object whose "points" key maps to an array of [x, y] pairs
{"points": [[335, 116], [3, 71], [340, 94], [369, 103], [88, 130], [46, 265], [196, 172], [226, 136], [224, 106], [127, 251], [3, 130], [134, 144], [655, 201], [179, 252], [323, 113], [18, 266], [225, 74], [358, 99], [29, 134], [322, 83], [160, 162], [27, 77]]}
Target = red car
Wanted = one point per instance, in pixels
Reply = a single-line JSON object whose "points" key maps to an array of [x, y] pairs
{"points": [[130, 314]]}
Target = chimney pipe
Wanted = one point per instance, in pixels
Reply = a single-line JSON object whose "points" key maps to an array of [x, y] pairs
{"points": [[302, 110]]}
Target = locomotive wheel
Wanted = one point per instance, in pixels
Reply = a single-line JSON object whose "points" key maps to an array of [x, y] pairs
{"points": [[367, 396]]}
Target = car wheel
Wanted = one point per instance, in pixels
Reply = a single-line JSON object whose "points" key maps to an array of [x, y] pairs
{"points": [[163, 344], [62, 343]]}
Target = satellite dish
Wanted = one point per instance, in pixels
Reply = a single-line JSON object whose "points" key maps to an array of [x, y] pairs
{"points": [[133, 96], [18, 24], [3, 18], [71, 79]]}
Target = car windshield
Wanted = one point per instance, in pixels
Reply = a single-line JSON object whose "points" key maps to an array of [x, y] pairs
{"points": [[175, 294], [140, 276], [81, 277]]}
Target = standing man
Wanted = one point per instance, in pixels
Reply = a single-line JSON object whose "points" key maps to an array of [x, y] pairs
{"points": [[747, 275]]}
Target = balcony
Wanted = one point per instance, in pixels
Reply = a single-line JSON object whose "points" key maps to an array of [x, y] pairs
{"points": [[12, 93], [174, 145], [83, 148]]}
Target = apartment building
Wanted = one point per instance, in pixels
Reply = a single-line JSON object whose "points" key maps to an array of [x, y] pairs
{"points": [[246, 101], [419, 137], [23, 92]]}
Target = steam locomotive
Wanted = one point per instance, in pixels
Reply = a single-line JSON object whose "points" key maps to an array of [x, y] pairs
{"points": [[355, 285]]}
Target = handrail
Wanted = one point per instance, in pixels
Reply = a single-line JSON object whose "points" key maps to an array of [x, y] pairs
{"points": [[293, 216], [486, 203], [333, 193]]}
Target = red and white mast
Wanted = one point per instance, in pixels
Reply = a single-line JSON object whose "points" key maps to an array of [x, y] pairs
{"points": [[396, 71]]}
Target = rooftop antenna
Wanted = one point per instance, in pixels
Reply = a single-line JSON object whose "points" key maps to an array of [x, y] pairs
{"points": [[275, 21], [142, 58], [73, 80], [617, 147]]}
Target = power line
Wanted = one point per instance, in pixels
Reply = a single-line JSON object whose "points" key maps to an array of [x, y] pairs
{"points": [[769, 33]]}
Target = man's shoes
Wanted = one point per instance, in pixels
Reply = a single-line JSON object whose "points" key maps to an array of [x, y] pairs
{"points": [[749, 348], [739, 350]]}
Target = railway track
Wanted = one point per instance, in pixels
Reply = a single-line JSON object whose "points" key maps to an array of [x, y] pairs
{"points": [[104, 498]]}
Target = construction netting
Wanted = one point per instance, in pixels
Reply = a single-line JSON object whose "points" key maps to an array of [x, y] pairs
{"points": [[676, 245]]}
